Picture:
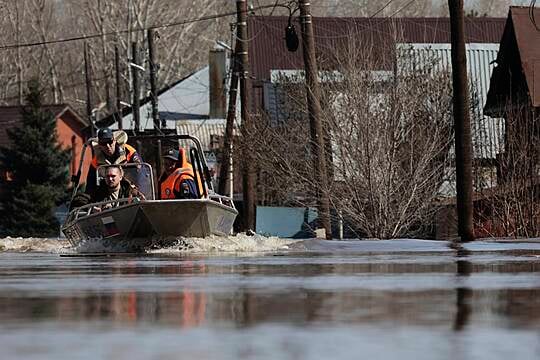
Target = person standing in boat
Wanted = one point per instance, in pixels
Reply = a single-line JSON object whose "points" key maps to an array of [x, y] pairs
{"points": [[111, 149], [115, 187], [178, 178]]}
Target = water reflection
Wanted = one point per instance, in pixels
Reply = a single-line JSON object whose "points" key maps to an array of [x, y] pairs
{"points": [[195, 292], [464, 294]]}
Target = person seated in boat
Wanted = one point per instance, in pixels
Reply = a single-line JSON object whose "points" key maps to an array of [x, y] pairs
{"points": [[115, 187], [178, 179], [111, 149]]}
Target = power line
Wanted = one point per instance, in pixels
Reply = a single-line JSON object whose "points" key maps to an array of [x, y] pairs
{"points": [[531, 14], [381, 9], [162, 26], [402, 8]]}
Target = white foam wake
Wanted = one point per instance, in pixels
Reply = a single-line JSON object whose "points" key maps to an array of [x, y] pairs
{"points": [[240, 243], [20, 244]]}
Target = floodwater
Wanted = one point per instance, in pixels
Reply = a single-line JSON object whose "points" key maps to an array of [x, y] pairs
{"points": [[267, 298]]}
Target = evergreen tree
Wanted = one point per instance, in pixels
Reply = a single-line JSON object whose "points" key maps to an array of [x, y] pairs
{"points": [[39, 170]]}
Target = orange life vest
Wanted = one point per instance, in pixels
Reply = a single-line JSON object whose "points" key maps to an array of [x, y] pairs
{"points": [[126, 153], [172, 184]]}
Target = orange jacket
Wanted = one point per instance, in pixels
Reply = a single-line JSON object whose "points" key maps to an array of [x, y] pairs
{"points": [[124, 154], [172, 186]]}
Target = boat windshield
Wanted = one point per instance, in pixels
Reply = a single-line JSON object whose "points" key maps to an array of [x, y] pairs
{"points": [[138, 174]]}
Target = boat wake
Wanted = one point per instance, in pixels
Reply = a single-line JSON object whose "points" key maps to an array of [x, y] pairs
{"points": [[240, 243], [19, 244]]}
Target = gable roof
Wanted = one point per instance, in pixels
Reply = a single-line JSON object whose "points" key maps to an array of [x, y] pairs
{"points": [[189, 94], [517, 62], [11, 117], [268, 52]]}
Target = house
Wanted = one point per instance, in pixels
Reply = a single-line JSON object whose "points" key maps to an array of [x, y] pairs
{"points": [[69, 128], [514, 93], [268, 52], [385, 38], [194, 105]]}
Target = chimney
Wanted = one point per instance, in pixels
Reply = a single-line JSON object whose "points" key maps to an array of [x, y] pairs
{"points": [[217, 71]]}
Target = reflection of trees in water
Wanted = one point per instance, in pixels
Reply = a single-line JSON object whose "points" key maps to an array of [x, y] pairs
{"points": [[301, 302]]}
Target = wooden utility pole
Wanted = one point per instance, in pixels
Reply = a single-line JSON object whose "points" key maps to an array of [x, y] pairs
{"points": [[314, 113], [88, 91], [153, 79], [462, 124], [118, 88], [153, 96], [245, 87], [225, 171], [136, 87]]}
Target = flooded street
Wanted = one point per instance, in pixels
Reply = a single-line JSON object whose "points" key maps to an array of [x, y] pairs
{"points": [[312, 299]]}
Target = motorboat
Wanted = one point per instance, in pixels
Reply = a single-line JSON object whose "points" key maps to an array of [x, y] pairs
{"points": [[135, 225]]}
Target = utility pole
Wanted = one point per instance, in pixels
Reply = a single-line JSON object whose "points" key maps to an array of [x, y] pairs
{"points": [[247, 125], [314, 113], [153, 96], [118, 88], [136, 87], [153, 78], [462, 124], [88, 91], [225, 171]]}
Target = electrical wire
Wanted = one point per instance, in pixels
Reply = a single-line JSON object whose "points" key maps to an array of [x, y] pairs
{"points": [[381, 9], [137, 29], [531, 14], [402, 8]]}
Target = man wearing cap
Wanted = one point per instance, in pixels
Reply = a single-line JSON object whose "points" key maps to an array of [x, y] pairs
{"points": [[110, 151], [178, 179]]}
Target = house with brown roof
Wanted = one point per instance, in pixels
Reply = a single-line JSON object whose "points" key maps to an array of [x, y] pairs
{"points": [[69, 127], [268, 51], [384, 37], [514, 90]]}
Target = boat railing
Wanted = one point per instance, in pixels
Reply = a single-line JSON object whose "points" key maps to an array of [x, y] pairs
{"points": [[99, 207], [222, 199]]}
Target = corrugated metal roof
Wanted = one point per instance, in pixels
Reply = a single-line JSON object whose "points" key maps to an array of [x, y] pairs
{"points": [[204, 130], [268, 51], [488, 133]]}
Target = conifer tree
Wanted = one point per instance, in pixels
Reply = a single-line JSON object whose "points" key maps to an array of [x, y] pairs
{"points": [[39, 169]]}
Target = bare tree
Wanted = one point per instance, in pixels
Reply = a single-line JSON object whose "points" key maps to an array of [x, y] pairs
{"points": [[389, 140]]}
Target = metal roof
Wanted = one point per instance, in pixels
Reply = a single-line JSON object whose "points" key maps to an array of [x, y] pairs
{"points": [[204, 130], [487, 133], [188, 99], [268, 52]]}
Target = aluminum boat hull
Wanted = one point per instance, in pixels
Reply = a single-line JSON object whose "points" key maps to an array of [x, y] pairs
{"points": [[138, 226]]}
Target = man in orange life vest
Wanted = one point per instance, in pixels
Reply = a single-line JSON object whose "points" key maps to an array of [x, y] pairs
{"points": [[178, 179], [110, 150]]}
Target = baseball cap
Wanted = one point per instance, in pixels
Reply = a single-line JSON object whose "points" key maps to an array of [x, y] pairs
{"points": [[105, 134], [172, 154]]}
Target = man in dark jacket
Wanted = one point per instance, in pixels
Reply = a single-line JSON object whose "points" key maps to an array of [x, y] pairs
{"points": [[115, 187], [111, 148]]}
